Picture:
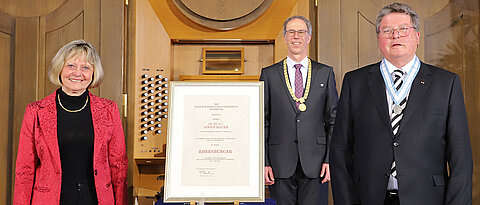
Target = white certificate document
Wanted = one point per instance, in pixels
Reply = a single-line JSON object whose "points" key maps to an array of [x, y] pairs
{"points": [[216, 140]]}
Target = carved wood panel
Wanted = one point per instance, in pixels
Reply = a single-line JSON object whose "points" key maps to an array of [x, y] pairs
{"points": [[368, 51], [55, 39], [444, 41], [222, 10], [452, 43], [27, 8]]}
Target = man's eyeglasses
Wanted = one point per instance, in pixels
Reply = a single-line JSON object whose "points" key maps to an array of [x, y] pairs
{"points": [[388, 32], [301, 33]]}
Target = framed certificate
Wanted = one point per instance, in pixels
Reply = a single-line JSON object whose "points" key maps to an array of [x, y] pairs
{"points": [[215, 150]]}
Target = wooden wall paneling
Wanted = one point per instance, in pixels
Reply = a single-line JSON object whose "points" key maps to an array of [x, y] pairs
{"points": [[93, 13], [61, 16], [5, 66], [359, 41], [444, 42], [61, 26], [28, 8], [425, 9], [6, 110], [257, 58], [92, 32], [112, 28], [368, 51], [301, 7], [281, 49], [186, 60], [329, 49], [6, 23], [55, 39], [132, 177], [313, 17], [153, 41], [348, 36], [472, 95], [43, 63], [25, 77], [472, 90], [452, 43]]}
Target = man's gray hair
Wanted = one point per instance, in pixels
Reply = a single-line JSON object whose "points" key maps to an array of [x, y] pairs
{"points": [[307, 22], [398, 8]]}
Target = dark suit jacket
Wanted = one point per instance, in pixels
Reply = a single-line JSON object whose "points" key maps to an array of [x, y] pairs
{"points": [[291, 134], [432, 133]]}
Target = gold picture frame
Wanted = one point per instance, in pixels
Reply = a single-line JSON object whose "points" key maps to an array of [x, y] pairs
{"points": [[225, 60]]}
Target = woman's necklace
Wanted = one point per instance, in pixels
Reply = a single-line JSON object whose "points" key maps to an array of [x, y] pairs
{"points": [[302, 107], [78, 110]]}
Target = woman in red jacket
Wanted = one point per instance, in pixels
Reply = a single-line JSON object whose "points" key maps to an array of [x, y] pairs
{"points": [[72, 148]]}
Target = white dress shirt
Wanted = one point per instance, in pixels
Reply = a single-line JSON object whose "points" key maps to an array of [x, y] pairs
{"points": [[291, 71]]}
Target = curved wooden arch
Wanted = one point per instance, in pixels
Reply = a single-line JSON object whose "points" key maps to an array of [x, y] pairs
{"points": [[18, 8], [223, 15]]}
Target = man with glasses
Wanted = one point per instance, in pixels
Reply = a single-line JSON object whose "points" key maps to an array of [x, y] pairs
{"points": [[300, 106], [401, 134]]}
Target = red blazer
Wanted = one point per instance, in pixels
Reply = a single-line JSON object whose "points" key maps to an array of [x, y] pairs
{"points": [[38, 173]]}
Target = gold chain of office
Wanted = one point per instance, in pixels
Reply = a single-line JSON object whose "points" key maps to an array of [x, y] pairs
{"points": [[302, 107], [78, 110]]}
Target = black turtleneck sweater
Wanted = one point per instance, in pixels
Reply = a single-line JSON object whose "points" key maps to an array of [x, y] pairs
{"points": [[75, 138]]}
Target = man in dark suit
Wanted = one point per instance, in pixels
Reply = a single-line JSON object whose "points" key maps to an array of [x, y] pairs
{"points": [[401, 134], [300, 107]]}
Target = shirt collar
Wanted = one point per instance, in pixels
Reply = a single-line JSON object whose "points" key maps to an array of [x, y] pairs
{"points": [[407, 68], [291, 63]]}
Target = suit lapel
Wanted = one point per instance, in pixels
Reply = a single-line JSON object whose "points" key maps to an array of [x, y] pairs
{"points": [[417, 91], [378, 92], [284, 85], [47, 122], [315, 68]]}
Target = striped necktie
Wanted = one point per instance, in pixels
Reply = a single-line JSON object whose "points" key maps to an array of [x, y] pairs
{"points": [[395, 121]]}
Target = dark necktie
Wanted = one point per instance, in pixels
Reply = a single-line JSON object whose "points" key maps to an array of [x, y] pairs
{"points": [[298, 82], [396, 118]]}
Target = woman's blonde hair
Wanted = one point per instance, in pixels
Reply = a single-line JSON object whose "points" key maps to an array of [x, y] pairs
{"points": [[75, 49]]}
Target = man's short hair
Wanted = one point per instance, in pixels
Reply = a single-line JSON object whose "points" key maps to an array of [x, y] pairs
{"points": [[398, 8], [307, 22]]}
